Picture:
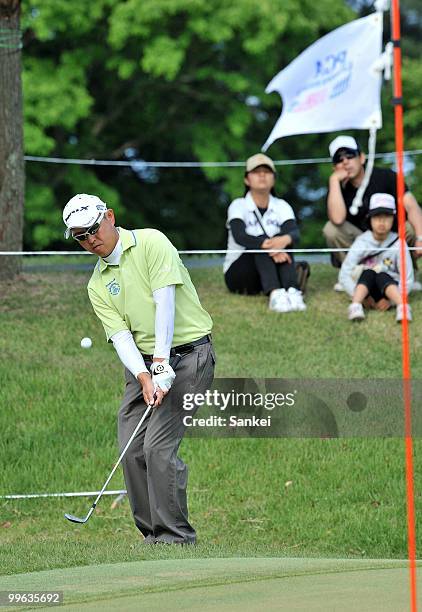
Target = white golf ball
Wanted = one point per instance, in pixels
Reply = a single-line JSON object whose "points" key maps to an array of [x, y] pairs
{"points": [[86, 343]]}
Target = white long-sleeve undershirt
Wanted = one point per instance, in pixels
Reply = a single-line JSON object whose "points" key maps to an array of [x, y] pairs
{"points": [[128, 352], [165, 306]]}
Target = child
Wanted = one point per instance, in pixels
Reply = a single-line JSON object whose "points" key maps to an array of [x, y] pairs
{"points": [[371, 271]]}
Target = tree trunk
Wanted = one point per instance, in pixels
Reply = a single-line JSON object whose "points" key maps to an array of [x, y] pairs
{"points": [[12, 174]]}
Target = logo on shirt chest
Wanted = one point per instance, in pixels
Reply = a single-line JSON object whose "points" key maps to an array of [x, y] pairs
{"points": [[388, 263], [268, 221], [113, 287]]}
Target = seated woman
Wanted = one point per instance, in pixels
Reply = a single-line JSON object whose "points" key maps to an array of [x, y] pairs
{"points": [[260, 220]]}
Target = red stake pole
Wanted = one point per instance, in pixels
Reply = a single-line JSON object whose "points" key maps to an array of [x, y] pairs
{"points": [[398, 116]]}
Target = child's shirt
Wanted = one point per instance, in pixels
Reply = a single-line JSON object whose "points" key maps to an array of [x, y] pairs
{"points": [[365, 254]]}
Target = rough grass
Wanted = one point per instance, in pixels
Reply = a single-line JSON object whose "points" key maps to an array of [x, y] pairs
{"points": [[58, 404]]}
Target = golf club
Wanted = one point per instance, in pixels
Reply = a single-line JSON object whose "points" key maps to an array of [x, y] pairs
{"points": [[74, 519]]}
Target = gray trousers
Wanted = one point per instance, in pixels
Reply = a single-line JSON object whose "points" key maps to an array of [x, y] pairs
{"points": [[156, 478]]}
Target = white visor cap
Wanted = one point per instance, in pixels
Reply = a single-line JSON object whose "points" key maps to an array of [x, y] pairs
{"points": [[82, 211], [342, 142]]}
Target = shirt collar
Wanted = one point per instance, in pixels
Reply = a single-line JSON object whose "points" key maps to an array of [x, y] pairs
{"points": [[127, 239], [251, 204]]}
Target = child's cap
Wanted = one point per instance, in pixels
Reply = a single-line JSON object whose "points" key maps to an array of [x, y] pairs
{"points": [[382, 204]]}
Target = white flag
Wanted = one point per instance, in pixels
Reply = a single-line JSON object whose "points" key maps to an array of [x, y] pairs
{"points": [[334, 84]]}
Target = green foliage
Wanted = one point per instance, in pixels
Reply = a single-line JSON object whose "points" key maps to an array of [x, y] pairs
{"points": [[59, 102], [173, 80], [411, 37], [51, 18], [163, 57], [43, 219], [88, 183], [412, 84]]}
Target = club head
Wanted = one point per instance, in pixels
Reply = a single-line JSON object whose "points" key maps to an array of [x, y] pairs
{"points": [[75, 519]]}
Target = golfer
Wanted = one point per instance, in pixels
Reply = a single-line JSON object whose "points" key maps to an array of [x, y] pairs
{"points": [[149, 308]]}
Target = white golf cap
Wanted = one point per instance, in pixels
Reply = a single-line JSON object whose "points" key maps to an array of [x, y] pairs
{"points": [[82, 211], [259, 160], [343, 142], [382, 204]]}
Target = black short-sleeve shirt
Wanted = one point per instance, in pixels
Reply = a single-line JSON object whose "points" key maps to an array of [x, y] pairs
{"points": [[383, 180]]}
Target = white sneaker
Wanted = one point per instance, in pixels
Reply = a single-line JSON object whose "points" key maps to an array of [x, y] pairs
{"points": [[400, 313], [417, 286], [355, 312], [279, 301], [296, 299], [339, 287]]}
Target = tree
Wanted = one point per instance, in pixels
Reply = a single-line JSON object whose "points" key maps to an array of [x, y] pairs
{"points": [[411, 41], [11, 138], [178, 80]]}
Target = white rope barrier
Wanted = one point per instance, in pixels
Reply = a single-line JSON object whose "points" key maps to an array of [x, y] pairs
{"points": [[138, 164], [211, 251], [76, 494], [33, 253]]}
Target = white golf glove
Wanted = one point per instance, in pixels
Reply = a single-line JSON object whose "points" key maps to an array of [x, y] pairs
{"points": [[162, 375]]}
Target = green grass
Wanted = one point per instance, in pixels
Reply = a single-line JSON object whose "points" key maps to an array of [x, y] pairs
{"points": [[58, 405], [227, 584]]}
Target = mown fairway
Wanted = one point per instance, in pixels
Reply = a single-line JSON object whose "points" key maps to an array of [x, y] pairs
{"points": [[58, 406], [230, 585]]}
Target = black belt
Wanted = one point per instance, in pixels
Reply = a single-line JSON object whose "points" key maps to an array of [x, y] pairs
{"points": [[183, 349]]}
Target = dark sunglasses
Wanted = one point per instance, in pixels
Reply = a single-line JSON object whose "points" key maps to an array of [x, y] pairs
{"points": [[90, 231], [338, 158]]}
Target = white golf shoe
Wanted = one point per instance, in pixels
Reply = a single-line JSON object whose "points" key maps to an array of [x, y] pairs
{"points": [[400, 313], [279, 301], [355, 312], [296, 299]]}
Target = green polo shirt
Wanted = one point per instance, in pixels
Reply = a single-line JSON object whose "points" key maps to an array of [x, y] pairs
{"points": [[122, 295]]}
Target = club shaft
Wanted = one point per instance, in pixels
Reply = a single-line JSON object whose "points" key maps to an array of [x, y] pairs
{"points": [[122, 454], [173, 362]]}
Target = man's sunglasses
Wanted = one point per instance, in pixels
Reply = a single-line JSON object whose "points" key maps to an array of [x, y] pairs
{"points": [[90, 231], [339, 157]]}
